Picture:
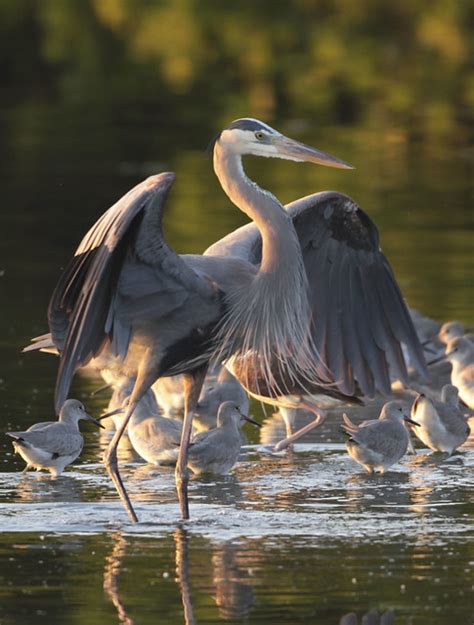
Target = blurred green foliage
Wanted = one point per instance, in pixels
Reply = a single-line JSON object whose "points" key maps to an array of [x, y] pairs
{"points": [[402, 66]]}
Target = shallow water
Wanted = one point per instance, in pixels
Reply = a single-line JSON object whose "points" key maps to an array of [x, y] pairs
{"points": [[291, 537]]}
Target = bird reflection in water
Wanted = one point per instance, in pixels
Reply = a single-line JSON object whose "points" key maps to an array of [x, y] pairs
{"points": [[38, 487], [233, 594], [370, 618], [112, 572], [182, 573]]}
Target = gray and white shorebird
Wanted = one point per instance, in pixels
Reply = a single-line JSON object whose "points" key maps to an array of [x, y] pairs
{"points": [[52, 445], [442, 426], [217, 390], [451, 330], [155, 438], [217, 450], [219, 386], [460, 353], [380, 443]]}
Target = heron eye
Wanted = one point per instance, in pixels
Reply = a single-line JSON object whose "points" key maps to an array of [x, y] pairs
{"points": [[259, 135]]}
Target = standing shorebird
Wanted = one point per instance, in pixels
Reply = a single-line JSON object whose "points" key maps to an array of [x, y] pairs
{"points": [[460, 353], [379, 443], [442, 426], [154, 437], [451, 330], [52, 445], [217, 450]]}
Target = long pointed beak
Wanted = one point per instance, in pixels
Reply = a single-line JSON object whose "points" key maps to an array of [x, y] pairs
{"points": [[436, 360], [101, 389], [250, 420], [110, 414], [408, 420], [96, 421], [296, 151]]}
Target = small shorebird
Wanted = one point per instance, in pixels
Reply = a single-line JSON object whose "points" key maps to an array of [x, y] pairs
{"points": [[52, 445], [442, 426], [379, 443], [217, 450]]}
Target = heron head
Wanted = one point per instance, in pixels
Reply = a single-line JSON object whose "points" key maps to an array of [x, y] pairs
{"points": [[251, 136]]}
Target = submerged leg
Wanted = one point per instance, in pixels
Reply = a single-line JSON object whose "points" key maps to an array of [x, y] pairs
{"points": [[192, 389]]}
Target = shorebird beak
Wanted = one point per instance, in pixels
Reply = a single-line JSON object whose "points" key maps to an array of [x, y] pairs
{"points": [[100, 389], [436, 360], [295, 151], [109, 414], [408, 420], [96, 421], [249, 419]]}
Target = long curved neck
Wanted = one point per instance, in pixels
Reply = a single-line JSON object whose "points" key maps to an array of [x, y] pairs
{"points": [[279, 241], [267, 326]]}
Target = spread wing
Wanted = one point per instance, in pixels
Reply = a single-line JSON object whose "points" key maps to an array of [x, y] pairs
{"points": [[122, 272], [360, 318]]}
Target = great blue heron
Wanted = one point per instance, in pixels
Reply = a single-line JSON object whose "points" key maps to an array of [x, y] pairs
{"points": [[299, 302]]}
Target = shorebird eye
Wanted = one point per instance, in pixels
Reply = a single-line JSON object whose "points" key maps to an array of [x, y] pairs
{"points": [[259, 135]]}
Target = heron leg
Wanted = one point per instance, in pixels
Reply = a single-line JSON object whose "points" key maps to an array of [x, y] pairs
{"points": [[193, 382], [110, 460], [289, 440]]}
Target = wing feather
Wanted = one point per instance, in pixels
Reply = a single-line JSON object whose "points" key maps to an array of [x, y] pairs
{"points": [[123, 254]]}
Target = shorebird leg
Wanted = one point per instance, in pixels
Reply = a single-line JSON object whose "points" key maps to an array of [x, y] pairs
{"points": [[192, 389]]}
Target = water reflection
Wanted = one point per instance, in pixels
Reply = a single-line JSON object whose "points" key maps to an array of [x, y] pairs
{"points": [[234, 593], [39, 488], [374, 617], [231, 585], [181, 540], [112, 572]]}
